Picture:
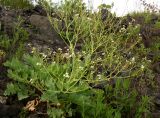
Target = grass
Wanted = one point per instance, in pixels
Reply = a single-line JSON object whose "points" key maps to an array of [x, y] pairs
{"points": [[95, 80], [17, 4]]}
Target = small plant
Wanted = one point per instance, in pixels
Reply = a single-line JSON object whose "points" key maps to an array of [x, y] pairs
{"points": [[151, 20], [14, 45], [57, 83], [65, 87], [143, 107]]}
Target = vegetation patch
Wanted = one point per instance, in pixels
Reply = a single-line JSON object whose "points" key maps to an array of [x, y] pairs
{"points": [[104, 70]]}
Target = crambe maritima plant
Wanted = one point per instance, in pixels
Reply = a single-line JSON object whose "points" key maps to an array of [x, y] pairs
{"points": [[95, 79]]}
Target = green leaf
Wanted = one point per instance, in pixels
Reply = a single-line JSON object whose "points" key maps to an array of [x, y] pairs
{"points": [[11, 89], [20, 89], [50, 95], [55, 113], [22, 95]]}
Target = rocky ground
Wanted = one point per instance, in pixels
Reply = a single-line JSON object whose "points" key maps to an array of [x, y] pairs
{"points": [[43, 37]]}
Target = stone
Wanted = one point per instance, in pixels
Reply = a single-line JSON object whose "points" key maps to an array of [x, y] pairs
{"points": [[9, 111], [39, 9], [156, 67], [45, 31], [7, 23]]}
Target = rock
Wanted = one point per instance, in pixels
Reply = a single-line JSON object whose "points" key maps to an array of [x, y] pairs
{"points": [[157, 101], [156, 67], [9, 111], [156, 114], [104, 14], [7, 23], [0, 8], [158, 79], [39, 9], [45, 32], [147, 29], [36, 23]]}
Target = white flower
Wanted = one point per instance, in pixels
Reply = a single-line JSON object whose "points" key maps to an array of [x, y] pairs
{"points": [[79, 60], [66, 75], [72, 55], [99, 59], [103, 53], [33, 49], [133, 59], [133, 20], [142, 67], [92, 67], [81, 68], [127, 61], [49, 49], [53, 14], [66, 55], [29, 44], [83, 52], [89, 18], [38, 64], [112, 41], [54, 53], [122, 29], [136, 26], [44, 55], [99, 76], [59, 49], [53, 62], [76, 15], [31, 81], [130, 23], [67, 50]]}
